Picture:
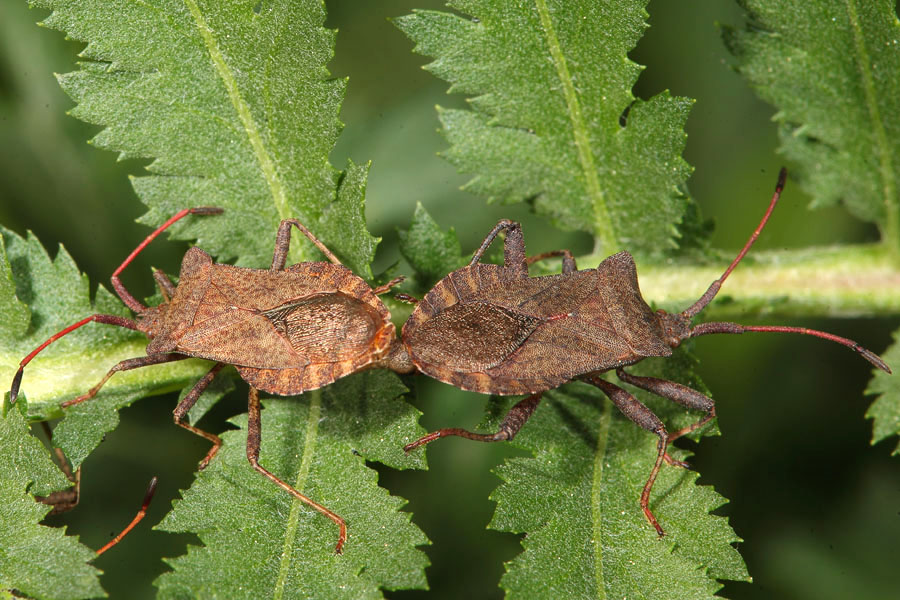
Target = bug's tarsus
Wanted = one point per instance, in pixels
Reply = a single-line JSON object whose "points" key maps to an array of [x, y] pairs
{"points": [[382, 289], [401, 297], [148, 497], [125, 365], [180, 413], [642, 416]]}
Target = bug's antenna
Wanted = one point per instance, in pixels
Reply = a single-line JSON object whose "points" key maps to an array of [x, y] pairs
{"points": [[148, 496], [723, 327], [710, 293]]}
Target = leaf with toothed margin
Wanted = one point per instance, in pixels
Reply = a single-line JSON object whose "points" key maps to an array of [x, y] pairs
{"points": [[38, 561], [885, 411], [577, 499], [234, 104], [553, 118], [260, 542], [830, 69]]}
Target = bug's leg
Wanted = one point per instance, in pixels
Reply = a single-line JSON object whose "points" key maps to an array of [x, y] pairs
{"points": [[165, 285], [568, 261], [106, 319], [513, 247], [188, 402], [512, 423], [125, 365], [381, 289], [129, 300], [643, 417], [253, 437], [681, 394], [67, 499], [283, 243], [406, 298]]}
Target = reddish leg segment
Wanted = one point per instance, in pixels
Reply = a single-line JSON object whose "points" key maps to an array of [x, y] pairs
{"points": [[129, 300], [283, 243], [106, 319], [254, 430], [148, 496], [644, 417], [125, 365]]}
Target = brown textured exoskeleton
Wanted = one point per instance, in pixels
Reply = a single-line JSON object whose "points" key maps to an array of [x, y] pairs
{"points": [[493, 329], [287, 330]]}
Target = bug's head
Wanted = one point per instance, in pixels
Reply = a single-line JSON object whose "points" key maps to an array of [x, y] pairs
{"points": [[676, 327], [148, 320]]}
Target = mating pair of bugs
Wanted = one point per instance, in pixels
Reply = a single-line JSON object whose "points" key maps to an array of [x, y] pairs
{"points": [[487, 328]]}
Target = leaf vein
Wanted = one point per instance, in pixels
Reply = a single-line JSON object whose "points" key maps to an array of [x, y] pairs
{"points": [[263, 157], [889, 186], [603, 229]]}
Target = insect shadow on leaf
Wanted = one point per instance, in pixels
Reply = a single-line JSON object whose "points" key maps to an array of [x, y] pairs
{"points": [[495, 330], [287, 330]]}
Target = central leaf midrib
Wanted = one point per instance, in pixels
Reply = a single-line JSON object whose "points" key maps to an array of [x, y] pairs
{"points": [[603, 225], [597, 497], [242, 108], [885, 158], [309, 449]]}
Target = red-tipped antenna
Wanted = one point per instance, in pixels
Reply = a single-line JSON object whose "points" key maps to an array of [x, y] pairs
{"points": [[720, 327], [710, 293], [724, 327], [151, 490]]}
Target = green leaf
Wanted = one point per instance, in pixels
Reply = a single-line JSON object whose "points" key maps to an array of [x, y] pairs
{"points": [[57, 296], [554, 121], [578, 500], [885, 411], [830, 68], [38, 561], [233, 103], [431, 251], [261, 543]]}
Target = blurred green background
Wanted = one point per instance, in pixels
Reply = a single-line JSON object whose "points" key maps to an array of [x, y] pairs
{"points": [[817, 505]]}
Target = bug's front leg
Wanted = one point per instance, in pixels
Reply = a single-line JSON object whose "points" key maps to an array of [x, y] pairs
{"points": [[681, 394], [644, 417], [513, 247]]}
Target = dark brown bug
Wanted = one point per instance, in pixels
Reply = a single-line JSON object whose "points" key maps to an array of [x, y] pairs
{"points": [[286, 330], [493, 329]]}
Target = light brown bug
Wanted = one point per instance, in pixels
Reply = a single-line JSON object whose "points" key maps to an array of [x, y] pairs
{"points": [[287, 330]]}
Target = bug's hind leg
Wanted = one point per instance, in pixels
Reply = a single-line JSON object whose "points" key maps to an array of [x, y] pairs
{"points": [[681, 394], [512, 423], [644, 417], [254, 431]]}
